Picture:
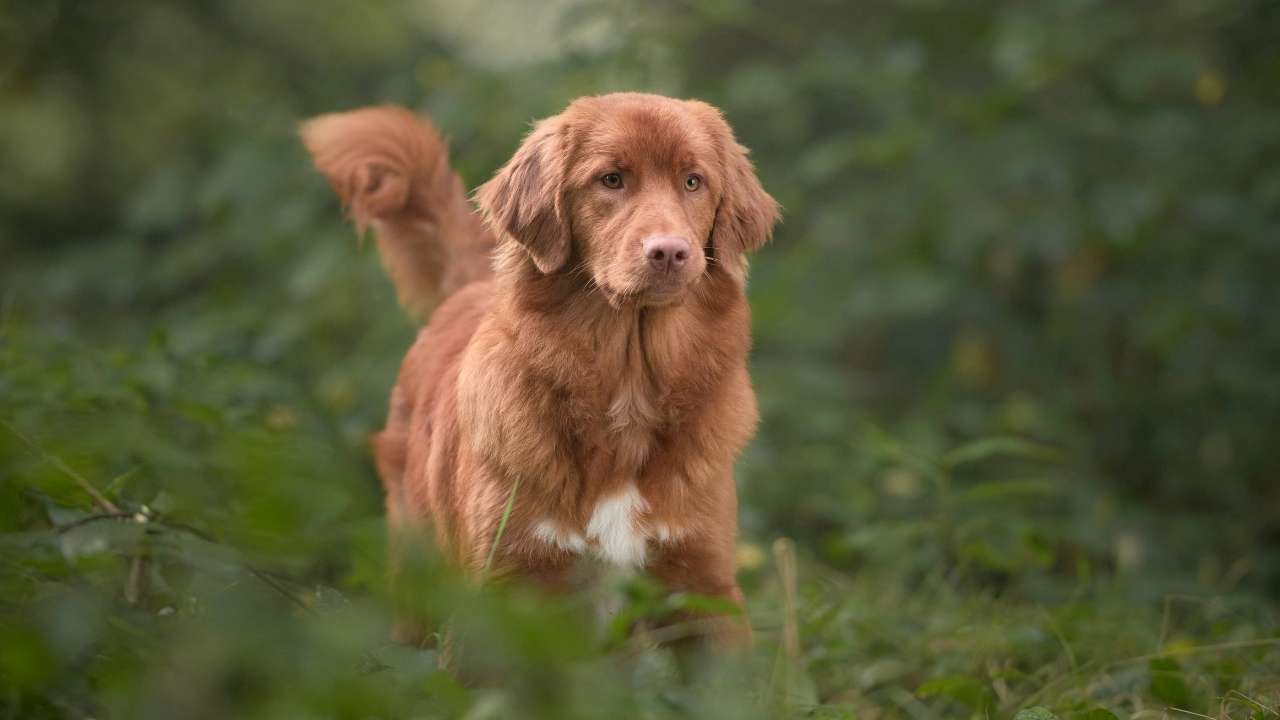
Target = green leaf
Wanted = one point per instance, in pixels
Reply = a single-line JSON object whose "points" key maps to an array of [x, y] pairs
{"points": [[998, 446], [965, 689], [1168, 684], [692, 602]]}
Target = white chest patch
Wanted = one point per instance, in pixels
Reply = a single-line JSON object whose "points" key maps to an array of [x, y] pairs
{"points": [[615, 531]]}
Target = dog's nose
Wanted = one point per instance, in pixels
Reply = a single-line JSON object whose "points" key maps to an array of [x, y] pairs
{"points": [[665, 252]]}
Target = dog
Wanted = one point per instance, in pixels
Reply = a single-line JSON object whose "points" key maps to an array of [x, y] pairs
{"points": [[582, 378]]}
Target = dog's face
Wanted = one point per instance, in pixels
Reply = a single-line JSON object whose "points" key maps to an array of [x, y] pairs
{"points": [[639, 192]]}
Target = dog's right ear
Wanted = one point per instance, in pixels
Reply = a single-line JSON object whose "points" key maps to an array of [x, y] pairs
{"points": [[525, 199]]}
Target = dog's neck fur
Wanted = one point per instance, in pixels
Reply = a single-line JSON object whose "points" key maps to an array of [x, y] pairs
{"points": [[647, 363]]}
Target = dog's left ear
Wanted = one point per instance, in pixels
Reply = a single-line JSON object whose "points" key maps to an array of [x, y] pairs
{"points": [[525, 199], [747, 214]]}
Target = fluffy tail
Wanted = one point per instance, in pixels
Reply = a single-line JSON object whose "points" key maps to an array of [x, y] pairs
{"points": [[391, 169]]}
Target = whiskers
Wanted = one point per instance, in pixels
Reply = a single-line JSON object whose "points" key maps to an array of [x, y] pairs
{"points": [[589, 279]]}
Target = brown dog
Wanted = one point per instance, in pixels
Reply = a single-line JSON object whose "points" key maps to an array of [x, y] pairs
{"points": [[596, 367]]}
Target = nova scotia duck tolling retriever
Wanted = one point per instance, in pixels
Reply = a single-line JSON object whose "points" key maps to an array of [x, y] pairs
{"points": [[586, 339]]}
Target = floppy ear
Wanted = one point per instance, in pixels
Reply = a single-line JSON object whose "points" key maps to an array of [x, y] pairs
{"points": [[525, 199], [746, 214]]}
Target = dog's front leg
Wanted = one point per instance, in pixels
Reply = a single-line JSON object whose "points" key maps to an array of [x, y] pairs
{"points": [[702, 559]]}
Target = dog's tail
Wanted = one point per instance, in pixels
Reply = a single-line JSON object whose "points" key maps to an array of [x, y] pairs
{"points": [[391, 169]]}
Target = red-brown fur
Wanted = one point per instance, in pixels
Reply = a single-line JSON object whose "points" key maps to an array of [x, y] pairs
{"points": [[569, 362]]}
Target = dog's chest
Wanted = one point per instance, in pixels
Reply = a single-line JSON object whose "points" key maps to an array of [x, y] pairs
{"points": [[633, 421], [620, 527]]}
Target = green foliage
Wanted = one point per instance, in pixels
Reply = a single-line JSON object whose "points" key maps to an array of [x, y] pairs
{"points": [[1167, 683], [1014, 351]]}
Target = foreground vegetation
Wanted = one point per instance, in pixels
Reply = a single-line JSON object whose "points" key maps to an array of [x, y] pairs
{"points": [[217, 551], [1014, 352]]}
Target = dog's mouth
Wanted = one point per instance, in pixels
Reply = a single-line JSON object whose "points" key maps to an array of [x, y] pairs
{"points": [[659, 294], [640, 286]]}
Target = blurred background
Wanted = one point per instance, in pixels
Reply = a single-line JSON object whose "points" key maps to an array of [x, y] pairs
{"points": [[1015, 350]]}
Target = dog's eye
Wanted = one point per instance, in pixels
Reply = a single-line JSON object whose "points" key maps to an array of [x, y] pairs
{"points": [[613, 181], [693, 182]]}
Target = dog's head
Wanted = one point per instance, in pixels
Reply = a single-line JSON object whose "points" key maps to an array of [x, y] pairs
{"points": [[640, 192]]}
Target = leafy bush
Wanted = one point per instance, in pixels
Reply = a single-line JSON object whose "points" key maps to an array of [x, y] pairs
{"points": [[1013, 348]]}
